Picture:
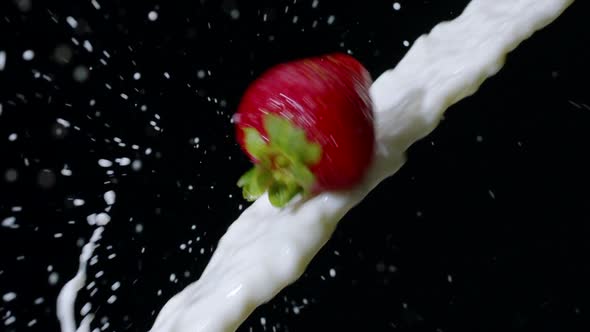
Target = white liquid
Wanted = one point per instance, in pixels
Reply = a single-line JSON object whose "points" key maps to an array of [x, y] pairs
{"points": [[67, 296], [266, 249]]}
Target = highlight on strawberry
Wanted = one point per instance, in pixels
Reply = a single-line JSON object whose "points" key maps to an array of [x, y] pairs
{"points": [[307, 126]]}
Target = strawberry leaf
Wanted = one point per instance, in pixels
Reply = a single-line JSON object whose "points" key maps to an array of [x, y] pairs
{"points": [[279, 131], [291, 140], [302, 175], [255, 144], [281, 193], [283, 162], [254, 182], [310, 154]]}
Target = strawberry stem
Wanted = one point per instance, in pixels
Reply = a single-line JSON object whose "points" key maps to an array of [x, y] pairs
{"points": [[282, 162]]}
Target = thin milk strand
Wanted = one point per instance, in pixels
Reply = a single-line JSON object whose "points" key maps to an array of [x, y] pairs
{"points": [[66, 300], [266, 248], [67, 296]]}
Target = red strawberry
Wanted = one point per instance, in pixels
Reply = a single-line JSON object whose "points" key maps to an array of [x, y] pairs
{"points": [[307, 125]]}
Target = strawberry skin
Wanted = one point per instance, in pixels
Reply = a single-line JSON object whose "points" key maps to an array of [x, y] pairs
{"points": [[308, 126]]}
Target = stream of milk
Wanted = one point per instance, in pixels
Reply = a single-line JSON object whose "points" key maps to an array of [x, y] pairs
{"points": [[266, 248]]}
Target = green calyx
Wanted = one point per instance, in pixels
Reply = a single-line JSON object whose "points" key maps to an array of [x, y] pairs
{"points": [[283, 162]]}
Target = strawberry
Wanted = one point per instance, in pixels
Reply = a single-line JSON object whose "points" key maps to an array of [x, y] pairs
{"points": [[307, 125]]}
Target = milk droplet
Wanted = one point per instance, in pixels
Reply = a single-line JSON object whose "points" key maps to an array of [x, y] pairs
{"points": [[53, 278], [28, 55], [152, 16], [9, 296], [102, 219], [72, 22], [88, 46], [136, 165], [80, 74], [123, 161], [11, 175], [65, 171], [109, 197], [9, 320], [105, 163], [86, 309], [2, 63], [63, 122]]}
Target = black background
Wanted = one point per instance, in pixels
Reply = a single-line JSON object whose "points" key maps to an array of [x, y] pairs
{"points": [[484, 229]]}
